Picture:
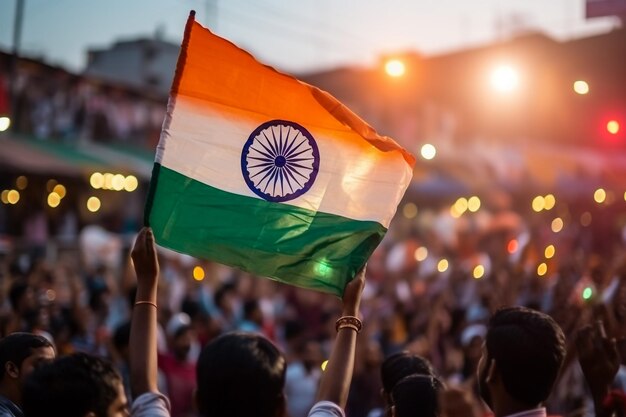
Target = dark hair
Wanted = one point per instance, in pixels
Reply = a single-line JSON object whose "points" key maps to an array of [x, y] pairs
{"points": [[417, 396], [528, 347], [249, 308], [121, 336], [240, 375], [400, 365], [16, 292], [71, 386], [18, 346]]}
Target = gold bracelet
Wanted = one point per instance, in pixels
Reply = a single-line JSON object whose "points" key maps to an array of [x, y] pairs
{"points": [[350, 322], [146, 302]]}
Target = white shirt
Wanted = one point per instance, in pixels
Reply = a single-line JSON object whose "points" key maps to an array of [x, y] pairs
{"points": [[326, 409], [150, 404]]}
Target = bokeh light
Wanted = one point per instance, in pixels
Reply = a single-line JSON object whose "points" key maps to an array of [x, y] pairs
{"points": [[478, 272], [54, 199], [421, 253], [409, 210], [549, 251], [131, 183], [512, 246], [60, 190], [21, 182], [581, 87], [539, 203], [96, 180], [324, 365], [585, 219], [117, 182], [198, 273], [5, 123], [549, 202], [428, 151], [4, 196], [557, 225], [542, 269], [613, 127], [442, 265], [395, 68], [504, 79], [599, 195], [108, 181], [473, 204], [13, 196], [587, 293], [51, 184], [93, 204]]}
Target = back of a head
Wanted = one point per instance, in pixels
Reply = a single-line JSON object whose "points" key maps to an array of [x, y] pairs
{"points": [[417, 396], [240, 375], [529, 348], [400, 365], [71, 386], [18, 346]]}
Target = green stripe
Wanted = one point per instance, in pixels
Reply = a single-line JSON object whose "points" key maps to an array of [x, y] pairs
{"points": [[293, 245]]}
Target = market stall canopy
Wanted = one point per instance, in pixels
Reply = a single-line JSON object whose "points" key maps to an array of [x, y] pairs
{"points": [[72, 159]]}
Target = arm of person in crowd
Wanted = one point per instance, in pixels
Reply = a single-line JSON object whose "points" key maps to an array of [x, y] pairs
{"points": [[335, 382], [599, 360], [143, 330]]}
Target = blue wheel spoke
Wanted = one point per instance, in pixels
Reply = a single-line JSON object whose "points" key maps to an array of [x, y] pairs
{"points": [[280, 174], [262, 153], [262, 171], [269, 171], [273, 145], [265, 164], [296, 172], [269, 150], [295, 149], [293, 155], [290, 144], [301, 159], [289, 174], [299, 166]]}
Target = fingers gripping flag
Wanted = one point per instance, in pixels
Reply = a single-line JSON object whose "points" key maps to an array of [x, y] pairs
{"points": [[260, 171]]}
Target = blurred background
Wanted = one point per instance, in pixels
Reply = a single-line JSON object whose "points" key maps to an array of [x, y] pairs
{"points": [[515, 110]]}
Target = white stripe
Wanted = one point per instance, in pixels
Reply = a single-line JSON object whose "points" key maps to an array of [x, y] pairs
{"points": [[355, 182]]}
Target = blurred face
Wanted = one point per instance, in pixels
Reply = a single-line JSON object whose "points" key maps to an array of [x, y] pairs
{"points": [[182, 345], [39, 357], [119, 407]]}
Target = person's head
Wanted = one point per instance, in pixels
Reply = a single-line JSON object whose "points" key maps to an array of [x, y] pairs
{"points": [[78, 385], [522, 355], [239, 375], [399, 366], [416, 396], [21, 297], [252, 312], [181, 336], [20, 354]]}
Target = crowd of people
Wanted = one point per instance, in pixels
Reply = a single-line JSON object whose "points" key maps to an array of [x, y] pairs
{"points": [[51, 103], [425, 330]]}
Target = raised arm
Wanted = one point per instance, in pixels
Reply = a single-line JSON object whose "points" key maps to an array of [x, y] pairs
{"points": [[600, 362], [335, 382], [143, 329]]}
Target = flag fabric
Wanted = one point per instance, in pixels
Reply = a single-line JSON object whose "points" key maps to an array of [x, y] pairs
{"points": [[260, 171]]}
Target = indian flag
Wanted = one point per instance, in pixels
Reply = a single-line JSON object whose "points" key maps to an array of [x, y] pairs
{"points": [[260, 171]]}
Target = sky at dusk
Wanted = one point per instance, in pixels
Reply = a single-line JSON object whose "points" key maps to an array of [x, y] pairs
{"points": [[294, 36]]}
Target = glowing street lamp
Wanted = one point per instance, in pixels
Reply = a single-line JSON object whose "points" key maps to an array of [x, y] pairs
{"points": [[395, 68], [504, 79]]}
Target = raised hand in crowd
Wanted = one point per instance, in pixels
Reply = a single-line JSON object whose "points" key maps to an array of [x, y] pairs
{"points": [[335, 382], [599, 359], [143, 330]]}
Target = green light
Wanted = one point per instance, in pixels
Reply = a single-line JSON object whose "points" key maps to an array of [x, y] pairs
{"points": [[587, 292], [323, 269]]}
